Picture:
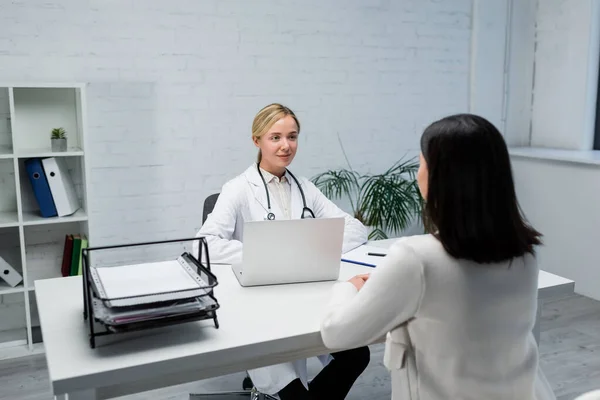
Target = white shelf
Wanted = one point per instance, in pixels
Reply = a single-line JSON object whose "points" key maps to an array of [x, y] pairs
{"points": [[47, 152], [34, 244], [34, 218], [6, 152], [12, 338], [5, 289], [20, 351], [8, 219]]}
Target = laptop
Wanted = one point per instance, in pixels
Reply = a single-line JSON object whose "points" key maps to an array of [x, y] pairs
{"points": [[290, 251]]}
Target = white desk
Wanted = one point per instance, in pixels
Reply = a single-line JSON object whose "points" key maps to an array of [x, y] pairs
{"points": [[247, 337]]}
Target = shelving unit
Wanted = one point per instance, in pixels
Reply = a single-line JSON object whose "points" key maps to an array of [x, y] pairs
{"points": [[32, 244]]}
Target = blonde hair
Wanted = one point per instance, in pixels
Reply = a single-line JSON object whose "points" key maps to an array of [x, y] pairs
{"points": [[266, 118]]}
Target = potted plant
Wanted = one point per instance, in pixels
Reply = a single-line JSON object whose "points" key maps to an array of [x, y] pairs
{"points": [[387, 202], [58, 139]]}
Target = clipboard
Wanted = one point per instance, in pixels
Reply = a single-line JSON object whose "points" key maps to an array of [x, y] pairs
{"points": [[360, 255]]}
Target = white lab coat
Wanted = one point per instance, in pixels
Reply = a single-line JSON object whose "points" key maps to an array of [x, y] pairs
{"points": [[244, 199]]}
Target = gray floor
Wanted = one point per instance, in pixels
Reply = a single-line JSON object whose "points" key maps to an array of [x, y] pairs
{"points": [[569, 353]]}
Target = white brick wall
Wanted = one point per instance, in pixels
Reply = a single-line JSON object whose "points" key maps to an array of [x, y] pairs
{"points": [[8, 198], [5, 139], [9, 246], [12, 317], [174, 87]]}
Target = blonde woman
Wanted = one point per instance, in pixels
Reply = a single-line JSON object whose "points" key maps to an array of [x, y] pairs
{"points": [[268, 190]]}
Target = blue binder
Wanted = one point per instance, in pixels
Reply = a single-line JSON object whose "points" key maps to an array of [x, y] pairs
{"points": [[40, 187]]}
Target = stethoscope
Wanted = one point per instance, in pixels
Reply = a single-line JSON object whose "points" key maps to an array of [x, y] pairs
{"points": [[270, 216]]}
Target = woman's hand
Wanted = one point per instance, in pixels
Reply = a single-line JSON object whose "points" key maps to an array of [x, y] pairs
{"points": [[359, 280]]}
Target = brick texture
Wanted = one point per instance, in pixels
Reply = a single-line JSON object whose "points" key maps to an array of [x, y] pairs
{"points": [[174, 86]]}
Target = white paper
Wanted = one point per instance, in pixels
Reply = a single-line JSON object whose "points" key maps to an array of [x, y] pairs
{"points": [[145, 279], [360, 255]]}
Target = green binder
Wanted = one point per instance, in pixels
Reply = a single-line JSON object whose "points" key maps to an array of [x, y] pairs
{"points": [[84, 245], [76, 255]]}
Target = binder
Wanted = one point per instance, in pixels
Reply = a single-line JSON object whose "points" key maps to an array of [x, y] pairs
{"points": [[67, 253], [84, 245], [9, 274], [41, 188], [75, 255], [61, 186]]}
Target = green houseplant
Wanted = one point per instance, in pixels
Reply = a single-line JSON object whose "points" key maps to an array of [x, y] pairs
{"points": [[386, 202], [58, 138]]}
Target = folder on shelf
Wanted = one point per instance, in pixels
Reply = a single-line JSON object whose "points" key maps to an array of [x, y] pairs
{"points": [[9, 274], [72, 254], [61, 186], [41, 188], [65, 269], [84, 245], [75, 255]]}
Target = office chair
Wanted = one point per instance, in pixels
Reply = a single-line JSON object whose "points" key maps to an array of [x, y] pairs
{"points": [[248, 389], [209, 205]]}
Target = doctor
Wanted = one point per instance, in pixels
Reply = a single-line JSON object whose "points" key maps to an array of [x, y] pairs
{"points": [[267, 190]]}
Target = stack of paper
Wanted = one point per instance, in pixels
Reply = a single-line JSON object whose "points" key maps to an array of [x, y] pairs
{"points": [[126, 315], [128, 285], [366, 255], [142, 293]]}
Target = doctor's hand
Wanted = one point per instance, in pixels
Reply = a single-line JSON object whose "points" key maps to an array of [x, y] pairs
{"points": [[359, 281]]}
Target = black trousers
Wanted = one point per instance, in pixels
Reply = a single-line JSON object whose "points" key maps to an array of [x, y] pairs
{"points": [[335, 379]]}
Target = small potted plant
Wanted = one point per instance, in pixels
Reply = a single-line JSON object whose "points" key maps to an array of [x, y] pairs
{"points": [[58, 139]]}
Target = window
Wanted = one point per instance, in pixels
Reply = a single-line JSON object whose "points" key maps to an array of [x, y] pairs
{"points": [[597, 132]]}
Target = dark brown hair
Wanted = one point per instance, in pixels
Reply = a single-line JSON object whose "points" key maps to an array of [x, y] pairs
{"points": [[471, 204]]}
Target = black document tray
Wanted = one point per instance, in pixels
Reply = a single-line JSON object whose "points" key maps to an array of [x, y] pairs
{"points": [[92, 292]]}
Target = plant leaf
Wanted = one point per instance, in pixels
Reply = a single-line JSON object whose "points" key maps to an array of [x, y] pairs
{"points": [[337, 183], [377, 234], [389, 201]]}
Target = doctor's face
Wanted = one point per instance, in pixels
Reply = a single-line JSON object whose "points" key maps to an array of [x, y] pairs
{"points": [[278, 145]]}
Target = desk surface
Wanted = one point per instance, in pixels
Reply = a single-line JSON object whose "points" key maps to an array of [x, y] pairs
{"points": [[549, 285], [247, 337]]}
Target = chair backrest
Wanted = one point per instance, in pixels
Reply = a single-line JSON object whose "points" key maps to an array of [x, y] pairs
{"points": [[209, 205]]}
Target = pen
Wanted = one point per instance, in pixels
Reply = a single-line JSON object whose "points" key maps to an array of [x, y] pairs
{"points": [[376, 254]]}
